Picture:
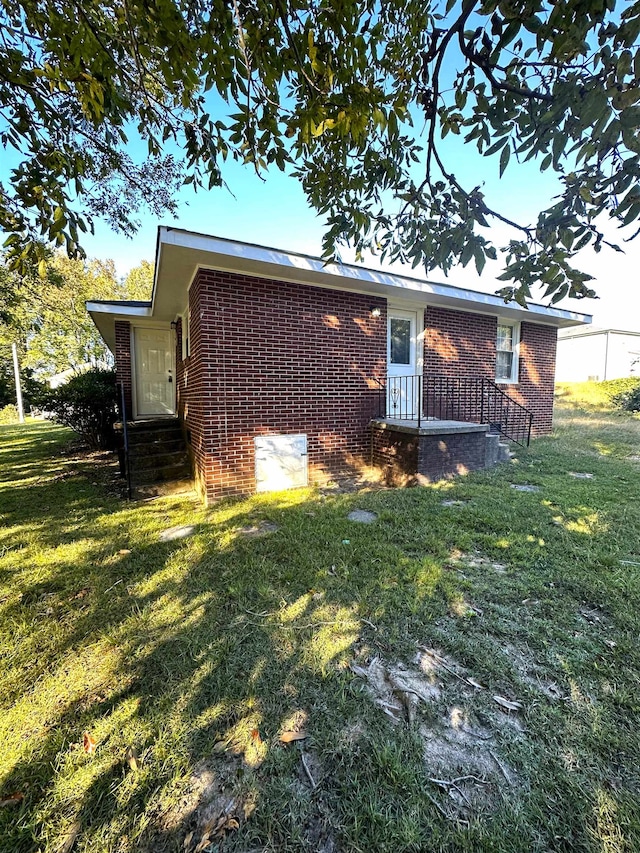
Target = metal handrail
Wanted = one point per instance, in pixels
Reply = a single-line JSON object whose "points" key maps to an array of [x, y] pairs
{"points": [[472, 399], [400, 397], [125, 437]]}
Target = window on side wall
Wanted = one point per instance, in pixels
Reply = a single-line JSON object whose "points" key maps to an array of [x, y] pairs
{"points": [[185, 334], [507, 346]]}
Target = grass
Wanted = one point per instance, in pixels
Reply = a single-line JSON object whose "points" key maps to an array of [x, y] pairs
{"points": [[199, 652]]}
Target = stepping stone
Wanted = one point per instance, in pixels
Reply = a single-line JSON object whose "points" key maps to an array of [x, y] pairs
{"points": [[179, 532], [257, 530], [453, 503], [362, 516], [580, 476], [525, 488]]}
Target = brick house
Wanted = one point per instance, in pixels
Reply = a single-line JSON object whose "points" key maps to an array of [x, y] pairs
{"points": [[280, 370]]}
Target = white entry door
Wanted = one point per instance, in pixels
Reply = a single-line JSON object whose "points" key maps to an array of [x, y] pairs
{"points": [[403, 383], [155, 390]]}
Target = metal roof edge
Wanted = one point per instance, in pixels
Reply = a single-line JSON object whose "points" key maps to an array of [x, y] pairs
{"points": [[583, 333], [297, 261]]}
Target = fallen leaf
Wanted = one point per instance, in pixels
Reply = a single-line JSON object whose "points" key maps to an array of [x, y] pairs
{"points": [[255, 736], [82, 593], [70, 840], [88, 743], [12, 799], [133, 758], [204, 842], [220, 746], [475, 683], [288, 737], [124, 551], [187, 840], [508, 704], [216, 828]]}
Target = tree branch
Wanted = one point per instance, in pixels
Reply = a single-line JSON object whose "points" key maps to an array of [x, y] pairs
{"points": [[458, 26], [479, 204], [478, 61]]}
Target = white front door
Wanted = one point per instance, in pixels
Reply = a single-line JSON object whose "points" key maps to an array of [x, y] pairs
{"points": [[403, 380], [155, 390]]}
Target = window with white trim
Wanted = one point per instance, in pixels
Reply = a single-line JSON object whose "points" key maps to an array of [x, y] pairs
{"points": [[507, 351]]}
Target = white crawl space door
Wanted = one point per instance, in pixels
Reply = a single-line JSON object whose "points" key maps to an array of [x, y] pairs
{"points": [[281, 462]]}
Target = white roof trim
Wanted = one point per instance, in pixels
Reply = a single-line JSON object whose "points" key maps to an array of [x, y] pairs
{"points": [[568, 334], [120, 308], [304, 268]]}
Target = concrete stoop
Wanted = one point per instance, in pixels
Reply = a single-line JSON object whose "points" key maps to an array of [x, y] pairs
{"points": [[411, 452], [497, 451], [158, 459]]}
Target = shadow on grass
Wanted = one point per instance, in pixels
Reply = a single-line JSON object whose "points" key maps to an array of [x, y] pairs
{"points": [[217, 636], [206, 649]]}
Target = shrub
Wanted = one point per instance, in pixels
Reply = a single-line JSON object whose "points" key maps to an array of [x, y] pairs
{"points": [[9, 415], [624, 393], [87, 404], [630, 400]]}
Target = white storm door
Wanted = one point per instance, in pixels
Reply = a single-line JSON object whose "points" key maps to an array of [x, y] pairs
{"points": [[155, 394], [403, 381]]}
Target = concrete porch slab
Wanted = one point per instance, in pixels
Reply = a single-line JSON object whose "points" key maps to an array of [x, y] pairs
{"points": [[428, 427]]}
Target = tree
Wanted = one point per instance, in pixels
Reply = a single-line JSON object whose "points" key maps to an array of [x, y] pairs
{"points": [[48, 317], [138, 283], [337, 92]]}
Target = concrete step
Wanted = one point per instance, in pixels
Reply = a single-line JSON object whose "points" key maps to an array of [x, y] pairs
{"points": [[497, 451], [149, 425], [153, 448], [157, 490], [492, 450], [154, 436], [505, 454], [160, 475], [157, 460]]}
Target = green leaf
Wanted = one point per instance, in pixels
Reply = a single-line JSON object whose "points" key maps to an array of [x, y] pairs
{"points": [[504, 159]]}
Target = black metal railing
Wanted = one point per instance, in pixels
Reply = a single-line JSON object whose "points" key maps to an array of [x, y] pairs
{"points": [[399, 397], [122, 405], [471, 399]]}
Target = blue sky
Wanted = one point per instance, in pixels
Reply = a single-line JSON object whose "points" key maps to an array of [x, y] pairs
{"points": [[274, 212]]}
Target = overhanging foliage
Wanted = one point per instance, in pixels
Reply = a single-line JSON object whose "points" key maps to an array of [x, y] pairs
{"points": [[355, 98]]}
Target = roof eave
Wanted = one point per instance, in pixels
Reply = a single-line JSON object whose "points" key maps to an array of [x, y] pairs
{"points": [[180, 253], [105, 315]]}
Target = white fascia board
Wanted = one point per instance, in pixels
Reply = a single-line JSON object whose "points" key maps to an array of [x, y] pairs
{"points": [[119, 308], [105, 314], [570, 334], [233, 256]]}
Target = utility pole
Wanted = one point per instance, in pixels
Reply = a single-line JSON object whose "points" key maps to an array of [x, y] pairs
{"points": [[16, 370]]}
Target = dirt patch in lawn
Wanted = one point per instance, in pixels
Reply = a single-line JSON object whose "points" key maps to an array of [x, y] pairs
{"points": [[461, 740], [211, 807], [476, 560]]}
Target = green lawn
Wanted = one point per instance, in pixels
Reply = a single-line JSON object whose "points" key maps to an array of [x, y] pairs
{"points": [[384, 643]]}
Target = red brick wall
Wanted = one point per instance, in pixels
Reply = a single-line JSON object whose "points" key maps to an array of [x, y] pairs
{"points": [[123, 361], [460, 343], [271, 357], [410, 459], [537, 372]]}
